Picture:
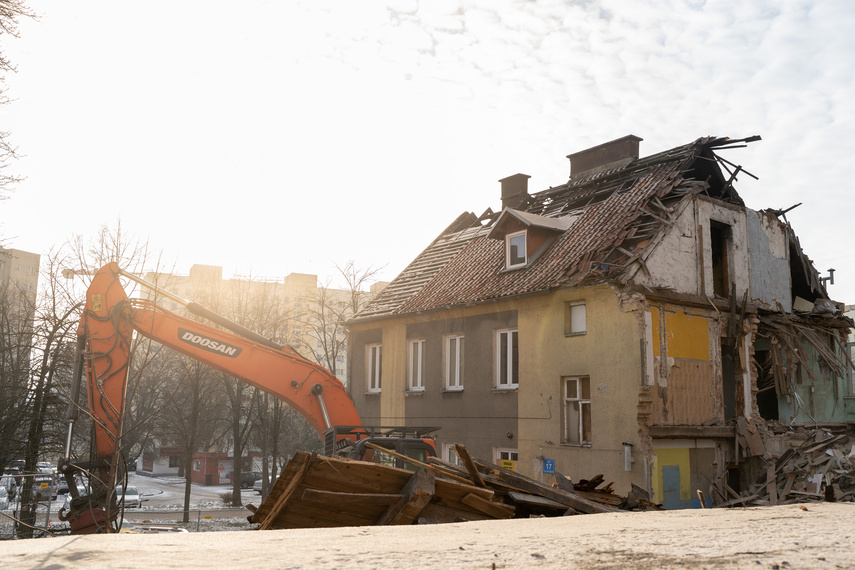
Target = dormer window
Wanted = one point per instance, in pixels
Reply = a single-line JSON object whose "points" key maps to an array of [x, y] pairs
{"points": [[515, 250], [527, 235]]}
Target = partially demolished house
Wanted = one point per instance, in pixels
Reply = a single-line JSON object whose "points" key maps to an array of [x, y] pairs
{"points": [[637, 321]]}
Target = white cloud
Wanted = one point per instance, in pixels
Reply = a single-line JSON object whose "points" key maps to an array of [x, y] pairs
{"points": [[345, 123]]}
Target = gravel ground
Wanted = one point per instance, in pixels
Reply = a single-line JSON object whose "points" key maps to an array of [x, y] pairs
{"points": [[818, 535]]}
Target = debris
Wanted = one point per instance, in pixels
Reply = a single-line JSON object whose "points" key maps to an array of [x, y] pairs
{"points": [[316, 491], [822, 468]]}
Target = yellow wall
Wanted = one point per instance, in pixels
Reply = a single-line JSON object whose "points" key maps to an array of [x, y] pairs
{"points": [[684, 375], [688, 336], [679, 457], [394, 373], [609, 353]]}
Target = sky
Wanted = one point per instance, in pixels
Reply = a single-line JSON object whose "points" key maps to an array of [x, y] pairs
{"points": [[290, 137]]}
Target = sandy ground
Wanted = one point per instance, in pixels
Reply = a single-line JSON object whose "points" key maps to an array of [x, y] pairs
{"points": [[810, 536]]}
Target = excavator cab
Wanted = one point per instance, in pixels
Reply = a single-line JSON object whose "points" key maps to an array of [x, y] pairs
{"points": [[350, 441]]}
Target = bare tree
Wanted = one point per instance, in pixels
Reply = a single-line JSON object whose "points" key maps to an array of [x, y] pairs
{"points": [[326, 319], [10, 13], [189, 417], [55, 317]]}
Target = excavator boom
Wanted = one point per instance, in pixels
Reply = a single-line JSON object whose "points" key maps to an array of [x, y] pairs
{"points": [[105, 333]]}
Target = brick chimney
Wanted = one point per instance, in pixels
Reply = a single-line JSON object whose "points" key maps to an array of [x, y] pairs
{"points": [[606, 156], [514, 190]]}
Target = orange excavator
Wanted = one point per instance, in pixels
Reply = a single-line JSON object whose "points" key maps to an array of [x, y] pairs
{"points": [[105, 332]]}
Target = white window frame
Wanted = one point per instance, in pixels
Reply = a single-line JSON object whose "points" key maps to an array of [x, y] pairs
{"points": [[449, 453], [575, 424], [510, 262], [416, 365], [454, 362], [374, 366], [577, 318], [506, 454], [506, 359]]}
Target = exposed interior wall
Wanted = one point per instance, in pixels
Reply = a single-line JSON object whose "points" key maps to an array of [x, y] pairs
{"points": [[687, 381], [673, 264], [709, 214], [768, 247], [681, 468]]}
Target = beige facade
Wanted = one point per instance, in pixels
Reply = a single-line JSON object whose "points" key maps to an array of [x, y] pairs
{"points": [[19, 271]]}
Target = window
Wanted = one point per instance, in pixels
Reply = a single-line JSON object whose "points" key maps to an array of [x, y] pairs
{"points": [[577, 411], [416, 365], [449, 453], [850, 367], [197, 465], [454, 363], [375, 366], [507, 356], [575, 317], [719, 245], [515, 250], [174, 460], [507, 458]]}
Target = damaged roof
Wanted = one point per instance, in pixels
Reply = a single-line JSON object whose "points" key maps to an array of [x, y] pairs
{"points": [[616, 214]]}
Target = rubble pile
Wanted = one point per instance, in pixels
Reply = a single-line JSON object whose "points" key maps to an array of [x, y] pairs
{"points": [[822, 468], [315, 491]]}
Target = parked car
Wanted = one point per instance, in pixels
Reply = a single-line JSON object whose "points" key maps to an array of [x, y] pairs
{"points": [[130, 499], [4, 499], [248, 479], [257, 485], [8, 482], [44, 485]]}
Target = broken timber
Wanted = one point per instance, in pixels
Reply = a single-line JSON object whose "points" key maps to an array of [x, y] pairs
{"points": [[315, 491]]}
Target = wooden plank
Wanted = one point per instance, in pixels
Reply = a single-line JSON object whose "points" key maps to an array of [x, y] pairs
{"points": [[415, 495], [349, 499], [464, 456], [752, 437], [788, 485], [535, 500], [496, 510], [771, 486], [286, 492], [564, 483]]}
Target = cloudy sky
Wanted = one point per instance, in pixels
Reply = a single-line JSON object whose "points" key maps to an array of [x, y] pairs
{"points": [[277, 137]]}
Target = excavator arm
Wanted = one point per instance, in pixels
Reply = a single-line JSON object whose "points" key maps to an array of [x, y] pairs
{"points": [[106, 330]]}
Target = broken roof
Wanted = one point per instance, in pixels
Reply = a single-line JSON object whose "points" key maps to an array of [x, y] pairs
{"points": [[616, 217]]}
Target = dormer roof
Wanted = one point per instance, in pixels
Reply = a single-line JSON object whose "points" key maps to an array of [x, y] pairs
{"points": [[510, 221]]}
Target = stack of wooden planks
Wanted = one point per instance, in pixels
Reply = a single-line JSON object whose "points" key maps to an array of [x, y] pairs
{"points": [[822, 468], [315, 491]]}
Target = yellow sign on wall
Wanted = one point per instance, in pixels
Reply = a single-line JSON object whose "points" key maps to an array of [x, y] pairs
{"points": [[508, 464]]}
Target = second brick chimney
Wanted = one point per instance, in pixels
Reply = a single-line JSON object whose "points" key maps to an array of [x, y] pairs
{"points": [[606, 156]]}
